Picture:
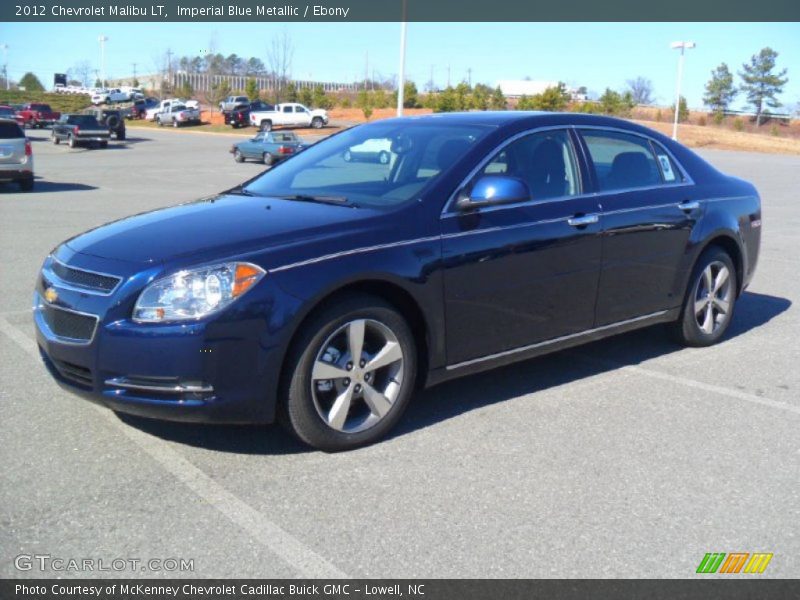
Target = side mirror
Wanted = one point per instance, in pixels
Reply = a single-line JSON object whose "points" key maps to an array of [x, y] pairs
{"points": [[494, 189]]}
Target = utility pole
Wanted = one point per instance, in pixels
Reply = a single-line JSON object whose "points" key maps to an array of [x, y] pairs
{"points": [[5, 64], [682, 46], [448, 75], [469, 76], [401, 79], [366, 70], [169, 65], [431, 86], [103, 39]]}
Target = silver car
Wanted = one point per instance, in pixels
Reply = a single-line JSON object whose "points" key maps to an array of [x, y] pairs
{"points": [[16, 155]]}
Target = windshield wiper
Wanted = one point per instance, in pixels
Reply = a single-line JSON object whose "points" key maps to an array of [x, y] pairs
{"points": [[337, 200], [240, 191]]}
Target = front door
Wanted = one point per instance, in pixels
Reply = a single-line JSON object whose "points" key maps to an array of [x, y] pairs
{"points": [[523, 273]]}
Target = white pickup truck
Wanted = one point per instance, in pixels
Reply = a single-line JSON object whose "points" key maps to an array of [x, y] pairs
{"points": [[289, 114], [151, 113]]}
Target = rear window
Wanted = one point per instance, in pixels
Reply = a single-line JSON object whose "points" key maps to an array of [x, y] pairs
{"points": [[10, 131], [621, 161], [82, 120], [41, 107]]}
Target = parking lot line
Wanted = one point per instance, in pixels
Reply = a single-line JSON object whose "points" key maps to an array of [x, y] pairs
{"points": [[281, 543], [699, 385]]}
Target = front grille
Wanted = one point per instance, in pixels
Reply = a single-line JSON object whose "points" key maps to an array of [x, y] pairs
{"points": [[67, 324], [84, 279], [75, 373]]}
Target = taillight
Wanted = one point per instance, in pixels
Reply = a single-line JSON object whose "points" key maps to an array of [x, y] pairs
{"points": [[285, 150], [76, 130], [28, 148]]}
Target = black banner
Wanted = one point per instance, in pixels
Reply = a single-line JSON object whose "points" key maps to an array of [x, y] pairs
{"points": [[397, 10], [376, 589]]}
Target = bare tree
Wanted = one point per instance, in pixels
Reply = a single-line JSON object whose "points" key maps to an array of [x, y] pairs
{"points": [[641, 89], [279, 58], [81, 71]]}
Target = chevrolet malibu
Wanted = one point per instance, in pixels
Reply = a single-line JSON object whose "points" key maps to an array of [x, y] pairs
{"points": [[324, 292]]}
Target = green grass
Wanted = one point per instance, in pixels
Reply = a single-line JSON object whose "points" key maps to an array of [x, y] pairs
{"points": [[64, 103]]}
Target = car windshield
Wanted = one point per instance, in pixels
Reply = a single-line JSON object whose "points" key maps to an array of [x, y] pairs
{"points": [[41, 107], [378, 165]]}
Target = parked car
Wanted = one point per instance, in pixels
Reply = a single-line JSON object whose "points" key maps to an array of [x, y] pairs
{"points": [[177, 115], [289, 114], [240, 116], [7, 112], [379, 151], [151, 113], [79, 130], [111, 118], [35, 114], [232, 102], [329, 291], [16, 154], [268, 147], [140, 107]]}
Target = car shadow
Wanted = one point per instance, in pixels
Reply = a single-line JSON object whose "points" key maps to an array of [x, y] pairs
{"points": [[450, 399], [41, 186]]}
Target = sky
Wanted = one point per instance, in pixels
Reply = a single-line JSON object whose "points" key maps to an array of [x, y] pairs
{"points": [[595, 55]]}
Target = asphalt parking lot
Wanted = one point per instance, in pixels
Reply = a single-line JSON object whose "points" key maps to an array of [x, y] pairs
{"points": [[631, 457]]}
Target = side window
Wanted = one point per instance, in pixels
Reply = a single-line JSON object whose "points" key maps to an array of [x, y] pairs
{"points": [[669, 170], [287, 109], [545, 161], [621, 160]]}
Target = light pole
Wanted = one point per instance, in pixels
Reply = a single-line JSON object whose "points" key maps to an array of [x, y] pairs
{"points": [[103, 39], [5, 64], [683, 46], [401, 78]]}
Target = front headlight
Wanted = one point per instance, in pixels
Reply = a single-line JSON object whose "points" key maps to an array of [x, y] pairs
{"points": [[195, 293]]}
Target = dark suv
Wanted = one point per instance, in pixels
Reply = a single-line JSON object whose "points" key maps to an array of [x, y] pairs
{"points": [[111, 118]]}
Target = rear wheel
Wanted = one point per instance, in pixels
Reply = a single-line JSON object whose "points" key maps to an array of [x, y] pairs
{"points": [[72, 142], [268, 159], [710, 300], [104, 144], [26, 185], [175, 123], [352, 374], [266, 125]]}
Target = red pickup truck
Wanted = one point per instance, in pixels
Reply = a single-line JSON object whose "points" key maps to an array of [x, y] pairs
{"points": [[35, 114]]}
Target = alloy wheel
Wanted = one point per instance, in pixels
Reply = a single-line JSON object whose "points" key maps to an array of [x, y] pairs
{"points": [[712, 298], [357, 375]]}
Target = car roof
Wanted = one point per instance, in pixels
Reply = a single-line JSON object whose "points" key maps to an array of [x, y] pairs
{"points": [[520, 119]]}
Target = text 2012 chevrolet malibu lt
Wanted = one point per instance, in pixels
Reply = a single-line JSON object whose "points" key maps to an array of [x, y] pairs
{"points": [[326, 290]]}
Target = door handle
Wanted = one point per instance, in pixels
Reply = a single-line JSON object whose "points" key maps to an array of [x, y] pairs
{"points": [[689, 205], [583, 221]]}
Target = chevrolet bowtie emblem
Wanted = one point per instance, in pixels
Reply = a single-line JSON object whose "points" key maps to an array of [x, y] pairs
{"points": [[50, 295]]}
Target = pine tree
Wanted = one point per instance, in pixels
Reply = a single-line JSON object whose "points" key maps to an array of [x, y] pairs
{"points": [[31, 83], [720, 90], [761, 84]]}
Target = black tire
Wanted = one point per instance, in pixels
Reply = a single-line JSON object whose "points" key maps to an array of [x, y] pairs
{"points": [[237, 156], [120, 135], [175, 123], [71, 141], [56, 140], [317, 123], [160, 122], [26, 185], [266, 125], [113, 122], [687, 329], [298, 411], [104, 144], [268, 159]]}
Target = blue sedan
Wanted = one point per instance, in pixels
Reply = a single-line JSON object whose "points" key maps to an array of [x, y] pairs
{"points": [[268, 147], [328, 291]]}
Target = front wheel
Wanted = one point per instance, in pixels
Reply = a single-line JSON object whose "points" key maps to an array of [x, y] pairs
{"points": [[353, 369], [238, 156], [710, 300], [317, 123]]}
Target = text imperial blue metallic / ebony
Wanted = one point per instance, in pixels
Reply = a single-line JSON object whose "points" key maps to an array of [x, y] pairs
{"points": [[391, 256]]}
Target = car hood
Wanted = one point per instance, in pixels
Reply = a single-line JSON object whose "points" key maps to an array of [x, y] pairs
{"points": [[217, 228]]}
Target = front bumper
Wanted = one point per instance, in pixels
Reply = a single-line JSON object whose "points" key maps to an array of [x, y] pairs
{"points": [[222, 371]]}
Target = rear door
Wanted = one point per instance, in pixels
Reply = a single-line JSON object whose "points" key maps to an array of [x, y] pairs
{"points": [[12, 143], [649, 209]]}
